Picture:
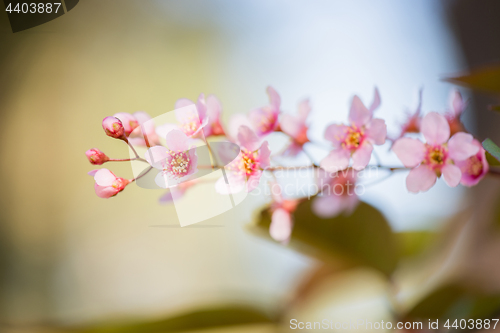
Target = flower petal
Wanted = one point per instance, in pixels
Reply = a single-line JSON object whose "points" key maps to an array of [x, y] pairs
{"points": [[376, 101], [474, 168], [274, 98], [328, 205], [264, 155], [281, 225], [337, 160], [104, 177], [105, 192], [435, 128], [156, 156], [182, 102], [187, 113], [235, 122], [177, 140], [420, 179], [276, 191], [359, 114], [409, 151], [361, 156], [304, 110], [451, 174], [161, 179], [290, 125], [253, 181], [201, 107], [166, 198], [93, 172], [247, 138], [461, 146], [377, 131], [164, 129], [457, 103], [335, 134], [235, 184]]}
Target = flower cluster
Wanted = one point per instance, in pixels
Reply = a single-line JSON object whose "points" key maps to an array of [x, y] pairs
{"points": [[428, 145]]}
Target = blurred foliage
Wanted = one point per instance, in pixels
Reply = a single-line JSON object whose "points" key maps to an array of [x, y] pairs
{"points": [[362, 238], [485, 78], [413, 243], [455, 301], [215, 317]]}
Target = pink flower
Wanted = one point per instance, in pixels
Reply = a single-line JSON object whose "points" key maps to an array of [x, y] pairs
{"points": [[129, 122], [113, 127], [281, 220], [107, 185], [214, 110], [355, 140], [193, 120], [413, 120], [145, 131], [176, 163], [457, 107], [474, 168], [337, 193], [248, 166], [96, 157], [265, 119], [296, 128], [436, 157]]}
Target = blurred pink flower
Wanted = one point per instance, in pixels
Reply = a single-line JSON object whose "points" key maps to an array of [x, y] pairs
{"points": [[253, 158], [264, 120], [176, 162], [145, 131], [296, 127], [96, 157], [107, 185], [474, 168], [413, 120], [338, 193], [356, 140], [456, 108], [209, 112], [129, 122], [281, 220], [436, 157], [113, 127]]}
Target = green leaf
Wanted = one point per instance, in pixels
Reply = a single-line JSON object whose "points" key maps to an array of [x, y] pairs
{"points": [[413, 243], [197, 320], [491, 160], [485, 78], [492, 148], [362, 238]]}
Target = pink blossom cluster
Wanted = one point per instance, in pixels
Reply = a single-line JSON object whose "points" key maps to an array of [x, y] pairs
{"points": [[429, 146]]}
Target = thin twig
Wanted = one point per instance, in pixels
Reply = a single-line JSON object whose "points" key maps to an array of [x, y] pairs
{"points": [[141, 175]]}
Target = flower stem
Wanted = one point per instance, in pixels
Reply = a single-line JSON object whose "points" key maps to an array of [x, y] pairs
{"points": [[142, 175], [127, 159]]}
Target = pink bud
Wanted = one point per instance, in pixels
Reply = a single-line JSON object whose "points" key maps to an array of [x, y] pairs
{"points": [[96, 157], [113, 127], [129, 122]]}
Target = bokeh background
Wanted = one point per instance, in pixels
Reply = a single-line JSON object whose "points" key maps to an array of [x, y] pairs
{"points": [[69, 257]]}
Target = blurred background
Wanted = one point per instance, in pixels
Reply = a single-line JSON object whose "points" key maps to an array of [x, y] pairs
{"points": [[70, 258]]}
